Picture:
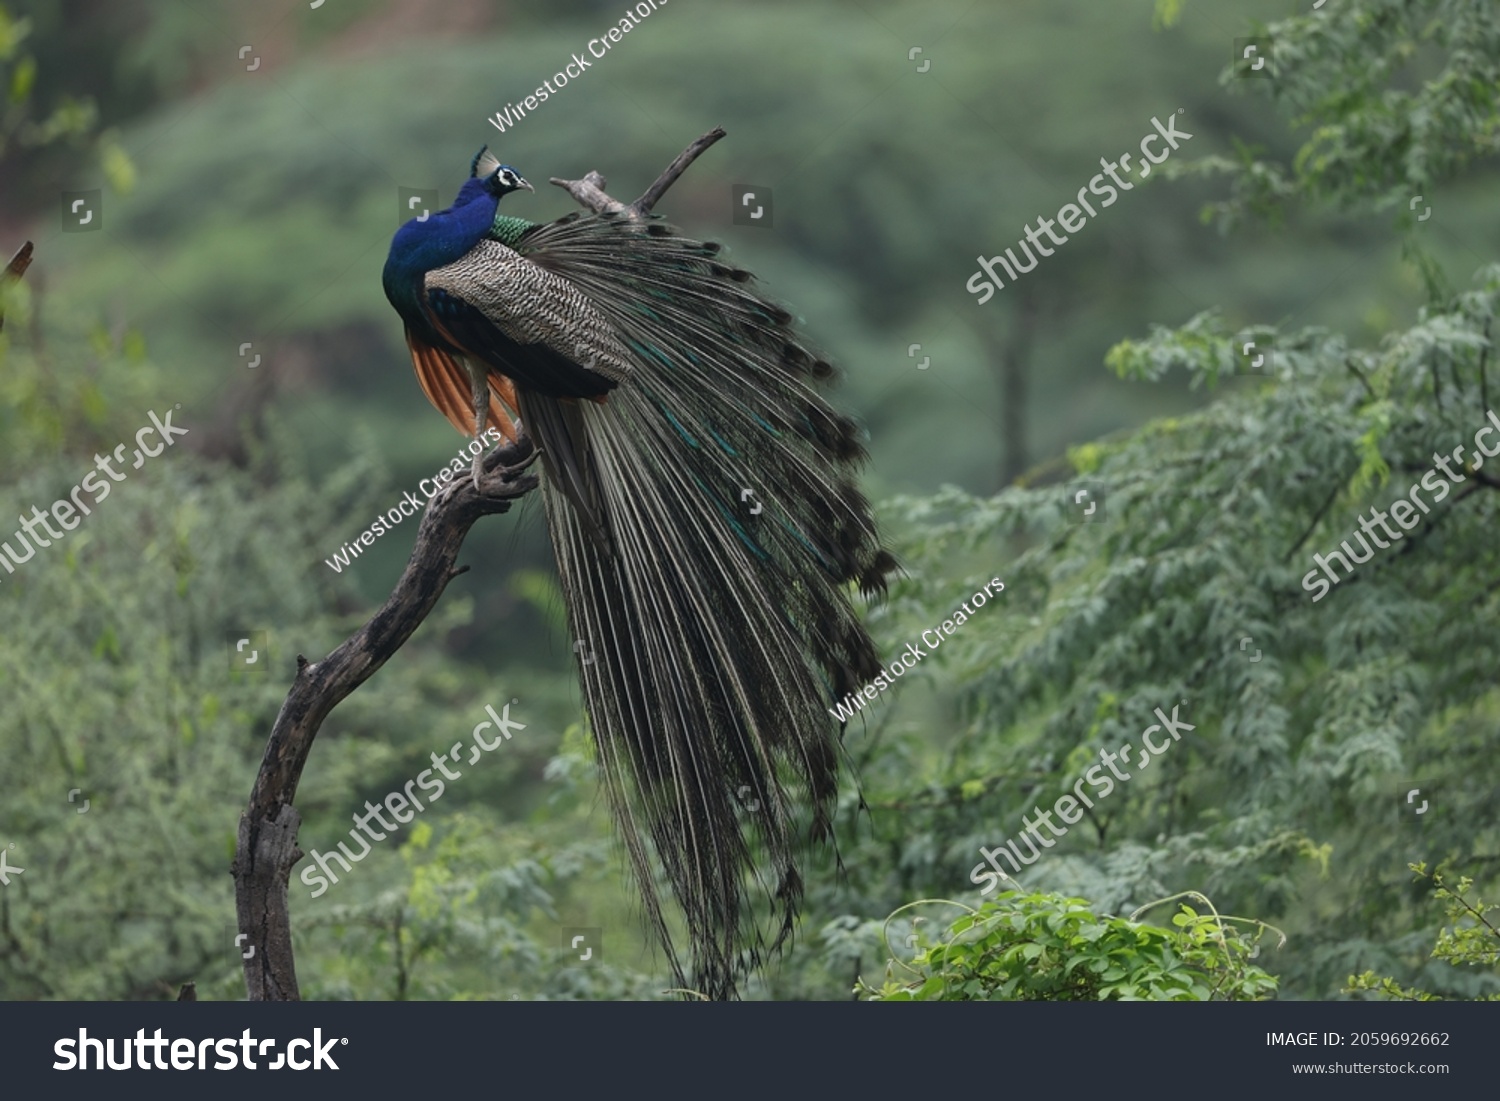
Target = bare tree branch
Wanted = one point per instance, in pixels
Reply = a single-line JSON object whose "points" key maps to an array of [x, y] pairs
{"points": [[649, 198], [1484, 378], [268, 828], [589, 192], [21, 261], [1317, 519]]}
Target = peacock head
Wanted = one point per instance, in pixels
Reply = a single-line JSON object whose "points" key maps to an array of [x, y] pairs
{"points": [[498, 179]]}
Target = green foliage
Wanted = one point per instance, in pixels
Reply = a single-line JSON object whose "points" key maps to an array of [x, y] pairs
{"points": [[1168, 12], [90, 402], [1284, 799], [462, 922], [135, 706], [1309, 715], [1395, 98], [1045, 947], [1471, 939], [72, 120]]}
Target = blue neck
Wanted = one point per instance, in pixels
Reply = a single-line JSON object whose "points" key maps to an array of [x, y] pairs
{"points": [[420, 247]]}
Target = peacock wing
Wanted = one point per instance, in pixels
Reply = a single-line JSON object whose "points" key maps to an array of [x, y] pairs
{"points": [[529, 326], [448, 388], [526, 322]]}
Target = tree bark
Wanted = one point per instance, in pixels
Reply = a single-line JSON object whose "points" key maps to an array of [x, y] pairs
{"points": [[17, 268], [1013, 357]]}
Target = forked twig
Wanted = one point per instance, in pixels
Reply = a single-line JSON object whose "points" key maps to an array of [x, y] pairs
{"points": [[589, 191]]}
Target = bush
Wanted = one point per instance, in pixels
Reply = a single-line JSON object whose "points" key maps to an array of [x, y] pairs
{"points": [[1047, 947]]}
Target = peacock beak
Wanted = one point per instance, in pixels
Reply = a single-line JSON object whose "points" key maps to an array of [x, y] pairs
{"points": [[521, 181]]}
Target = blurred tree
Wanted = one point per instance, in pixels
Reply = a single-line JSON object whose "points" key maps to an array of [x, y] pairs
{"points": [[31, 134]]}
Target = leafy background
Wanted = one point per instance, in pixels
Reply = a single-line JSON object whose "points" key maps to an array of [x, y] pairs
{"points": [[255, 206]]}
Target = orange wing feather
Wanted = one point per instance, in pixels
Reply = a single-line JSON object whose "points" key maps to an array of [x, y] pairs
{"points": [[446, 385]]}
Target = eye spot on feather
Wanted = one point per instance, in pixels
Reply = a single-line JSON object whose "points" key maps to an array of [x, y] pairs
{"points": [[724, 271]]}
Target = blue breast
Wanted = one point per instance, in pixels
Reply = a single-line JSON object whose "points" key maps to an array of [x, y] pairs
{"points": [[419, 247]]}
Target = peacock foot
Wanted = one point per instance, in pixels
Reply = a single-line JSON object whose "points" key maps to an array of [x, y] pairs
{"points": [[501, 472]]}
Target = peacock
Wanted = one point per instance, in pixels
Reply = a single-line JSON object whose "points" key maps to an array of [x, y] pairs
{"points": [[701, 503]]}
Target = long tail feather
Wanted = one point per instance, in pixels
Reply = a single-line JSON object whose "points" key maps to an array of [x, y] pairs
{"points": [[718, 608], [557, 428]]}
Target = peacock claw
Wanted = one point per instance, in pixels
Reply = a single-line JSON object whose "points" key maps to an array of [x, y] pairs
{"points": [[501, 472]]}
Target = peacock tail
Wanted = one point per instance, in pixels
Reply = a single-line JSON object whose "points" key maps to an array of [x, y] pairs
{"points": [[703, 512]]}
